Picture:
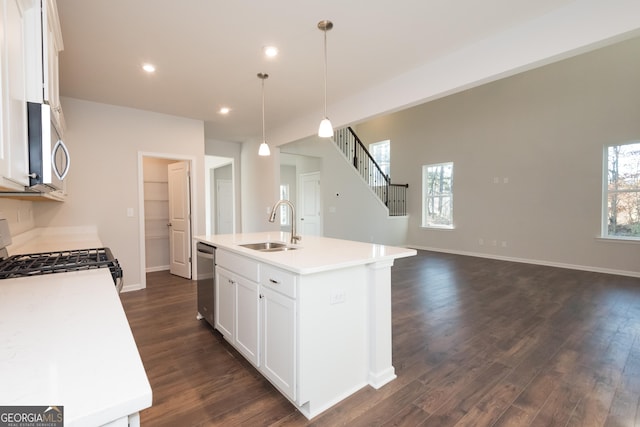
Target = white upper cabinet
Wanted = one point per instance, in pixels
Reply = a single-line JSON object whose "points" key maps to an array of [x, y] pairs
{"points": [[43, 45], [13, 109]]}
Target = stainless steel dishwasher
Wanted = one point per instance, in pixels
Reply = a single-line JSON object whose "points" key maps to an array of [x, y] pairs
{"points": [[205, 281]]}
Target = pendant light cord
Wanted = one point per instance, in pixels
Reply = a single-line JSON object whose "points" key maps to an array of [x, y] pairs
{"points": [[263, 77], [325, 73], [263, 132]]}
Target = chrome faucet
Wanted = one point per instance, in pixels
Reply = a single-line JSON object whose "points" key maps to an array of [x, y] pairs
{"points": [[272, 217]]}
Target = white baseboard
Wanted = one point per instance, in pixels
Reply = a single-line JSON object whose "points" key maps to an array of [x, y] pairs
{"points": [[533, 261], [158, 268], [131, 287]]}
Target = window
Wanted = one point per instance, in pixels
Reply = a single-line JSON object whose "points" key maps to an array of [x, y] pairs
{"points": [[437, 195], [381, 153], [284, 211], [621, 204]]}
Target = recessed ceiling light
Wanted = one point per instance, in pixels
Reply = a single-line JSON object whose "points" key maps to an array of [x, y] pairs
{"points": [[270, 51], [224, 110], [149, 68]]}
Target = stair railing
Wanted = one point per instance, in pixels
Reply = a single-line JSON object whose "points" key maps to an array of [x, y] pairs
{"points": [[394, 196]]}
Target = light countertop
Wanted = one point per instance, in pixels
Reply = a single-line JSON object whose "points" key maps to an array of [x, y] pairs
{"points": [[65, 340], [314, 254]]}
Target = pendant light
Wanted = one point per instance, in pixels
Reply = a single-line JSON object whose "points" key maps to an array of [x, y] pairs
{"points": [[264, 147], [326, 129]]}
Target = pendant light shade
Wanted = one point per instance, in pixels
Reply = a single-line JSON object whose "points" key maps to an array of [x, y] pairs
{"points": [[264, 147], [326, 128]]}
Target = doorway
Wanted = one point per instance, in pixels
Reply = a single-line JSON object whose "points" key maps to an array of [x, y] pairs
{"points": [[309, 218], [300, 176], [219, 191], [158, 199]]}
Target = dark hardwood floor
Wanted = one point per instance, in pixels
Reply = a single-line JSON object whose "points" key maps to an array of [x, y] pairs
{"points": [[476, 342]]}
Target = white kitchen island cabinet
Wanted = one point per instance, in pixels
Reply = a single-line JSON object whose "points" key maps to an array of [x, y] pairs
{"points": [[315, 321]]}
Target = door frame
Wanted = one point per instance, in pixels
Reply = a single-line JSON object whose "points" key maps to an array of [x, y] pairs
{"points": [[300, 200], [192, 200], [211, 163]]}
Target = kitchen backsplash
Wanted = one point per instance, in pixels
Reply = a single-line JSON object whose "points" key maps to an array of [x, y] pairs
{"points": [[19, 214]]}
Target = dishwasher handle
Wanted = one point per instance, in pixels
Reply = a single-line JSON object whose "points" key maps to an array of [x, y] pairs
{"points": [[205, 251]]}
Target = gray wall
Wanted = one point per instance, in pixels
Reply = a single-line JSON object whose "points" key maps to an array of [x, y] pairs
{"points": [[105, 143], [540, 135]]}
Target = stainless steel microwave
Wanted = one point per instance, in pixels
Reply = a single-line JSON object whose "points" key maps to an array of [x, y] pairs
{"points": [[48, 156]]}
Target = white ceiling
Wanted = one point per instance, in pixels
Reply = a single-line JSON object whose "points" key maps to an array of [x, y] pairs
{"points": [[384, 55]]}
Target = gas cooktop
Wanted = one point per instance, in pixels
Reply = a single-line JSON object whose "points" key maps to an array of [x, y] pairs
{"points": [[60, 262]]}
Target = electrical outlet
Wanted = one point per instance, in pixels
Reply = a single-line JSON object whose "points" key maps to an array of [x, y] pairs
{"points": [[337, 296]]}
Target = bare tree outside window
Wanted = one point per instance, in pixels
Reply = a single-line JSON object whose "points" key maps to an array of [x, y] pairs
{"points": [[437, 190], [622, 189]]}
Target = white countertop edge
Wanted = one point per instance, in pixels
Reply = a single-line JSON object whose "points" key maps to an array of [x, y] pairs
{"points": [[375, 253], [116, 411], [20, 322]]}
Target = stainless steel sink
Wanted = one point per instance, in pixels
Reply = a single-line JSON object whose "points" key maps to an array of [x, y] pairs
{"points": [[268, 246], [280, 249]]}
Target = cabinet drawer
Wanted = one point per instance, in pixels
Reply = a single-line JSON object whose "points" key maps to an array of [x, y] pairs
{"points": [[279, 280], [238, 264]]}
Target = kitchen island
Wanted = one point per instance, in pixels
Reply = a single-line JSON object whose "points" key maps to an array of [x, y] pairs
{"points": [[314, 318], [65, 340]]}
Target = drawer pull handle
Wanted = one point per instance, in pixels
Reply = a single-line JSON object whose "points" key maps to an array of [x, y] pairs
{"points": [[275, 282]]}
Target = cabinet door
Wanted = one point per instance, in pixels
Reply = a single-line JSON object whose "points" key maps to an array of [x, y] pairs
{"points": [[14, 108], [279, 340], [52, 45], [247, 305], [225, 303]]}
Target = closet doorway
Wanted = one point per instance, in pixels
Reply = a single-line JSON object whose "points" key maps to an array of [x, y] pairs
{"points": [[160, 199]]}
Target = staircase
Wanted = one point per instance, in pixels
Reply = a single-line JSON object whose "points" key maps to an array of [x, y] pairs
{"points": [[394, 196]]}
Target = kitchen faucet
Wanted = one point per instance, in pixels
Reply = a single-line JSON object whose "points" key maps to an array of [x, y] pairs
{"points": [[272, 217]]}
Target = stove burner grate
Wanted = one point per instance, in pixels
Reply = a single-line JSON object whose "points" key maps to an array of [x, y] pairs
{"points": [[60, 262]]}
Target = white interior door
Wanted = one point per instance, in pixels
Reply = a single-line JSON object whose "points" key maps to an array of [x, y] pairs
{"points": [[179, 220], [224, 206], [309, 219]]}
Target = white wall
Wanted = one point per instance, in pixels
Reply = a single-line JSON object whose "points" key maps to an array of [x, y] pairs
{"points": [[104, 143], [350, 210], [544, 132], [260, 187]]}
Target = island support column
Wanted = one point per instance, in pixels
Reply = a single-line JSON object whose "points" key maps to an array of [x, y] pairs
{"points": [[381, 370]]}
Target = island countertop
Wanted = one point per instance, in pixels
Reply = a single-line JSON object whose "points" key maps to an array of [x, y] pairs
{"points": [[66, 341], [314, 254]]}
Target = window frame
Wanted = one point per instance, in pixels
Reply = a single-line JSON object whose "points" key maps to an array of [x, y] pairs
{"points": [[423, 221], [604, 223]]}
